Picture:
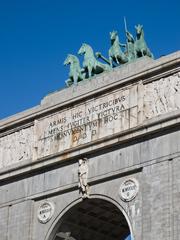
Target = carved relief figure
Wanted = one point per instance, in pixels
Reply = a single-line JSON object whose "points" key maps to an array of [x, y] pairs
{"points": [[177, 89], [162, 96], [16, 147], [83, 177]]}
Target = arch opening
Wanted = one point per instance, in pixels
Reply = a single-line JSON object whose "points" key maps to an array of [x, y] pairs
{"points": [[95, 219]]}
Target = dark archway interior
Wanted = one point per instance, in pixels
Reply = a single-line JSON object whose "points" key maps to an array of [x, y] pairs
{"points": [[95, 219]]}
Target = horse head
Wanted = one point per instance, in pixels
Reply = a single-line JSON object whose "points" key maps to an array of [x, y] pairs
{"points": [[82, 49], [70, 59], [139, 29], [86, 49], [113, 35]]}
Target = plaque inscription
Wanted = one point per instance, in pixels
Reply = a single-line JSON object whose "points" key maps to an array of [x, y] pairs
{"points": [[45, 212], [129, 189]]}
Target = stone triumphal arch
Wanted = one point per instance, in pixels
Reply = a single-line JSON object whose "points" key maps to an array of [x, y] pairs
{"points": [[94, 218], [99, 159]]}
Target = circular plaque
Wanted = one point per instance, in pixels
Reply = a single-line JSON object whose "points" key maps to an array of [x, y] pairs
{"points": [[45, 212], [129, 189]]}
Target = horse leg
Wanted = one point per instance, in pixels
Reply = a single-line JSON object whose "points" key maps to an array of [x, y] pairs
{"points": [[89, 72], [136, 54], [149, 53], [117, 60], [81, 77], [111, 61], [68, 82], [75, 78]]}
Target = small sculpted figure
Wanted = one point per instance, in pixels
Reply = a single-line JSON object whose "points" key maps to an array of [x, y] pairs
{"points": [[131, 54], [83, 177], [130, 44]]}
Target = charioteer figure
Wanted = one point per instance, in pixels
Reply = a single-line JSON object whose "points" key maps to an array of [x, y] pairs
{"points": [[130, 44]]}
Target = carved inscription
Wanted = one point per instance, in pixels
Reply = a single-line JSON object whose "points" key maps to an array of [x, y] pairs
{"points": [[82, 121], [87, 122]]}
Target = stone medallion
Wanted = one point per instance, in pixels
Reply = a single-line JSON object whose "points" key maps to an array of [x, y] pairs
{"points": [[129, 189], [45, 212]]}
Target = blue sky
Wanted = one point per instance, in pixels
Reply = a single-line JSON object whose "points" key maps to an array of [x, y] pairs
{"points": [[36, 36]]}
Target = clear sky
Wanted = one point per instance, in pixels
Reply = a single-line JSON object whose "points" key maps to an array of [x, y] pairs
{"points": [[36, 36]]}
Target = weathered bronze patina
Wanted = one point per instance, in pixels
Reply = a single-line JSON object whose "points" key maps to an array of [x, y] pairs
{"points": [[134, 48]]}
